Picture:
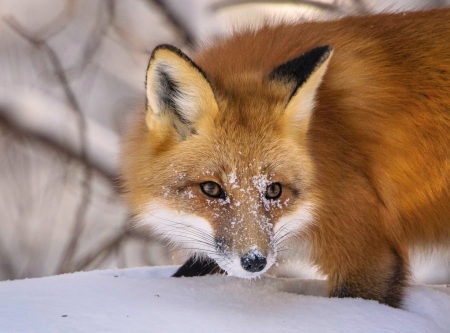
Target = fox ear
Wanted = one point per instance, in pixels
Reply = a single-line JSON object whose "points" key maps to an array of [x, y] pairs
{"points": [[178, 92], [305, 73]]}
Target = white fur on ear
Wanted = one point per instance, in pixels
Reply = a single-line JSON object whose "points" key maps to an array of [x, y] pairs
{"points": [[177, 90]]}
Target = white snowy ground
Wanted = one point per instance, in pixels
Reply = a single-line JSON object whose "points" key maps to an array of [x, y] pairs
{"points": [[146, 300]]}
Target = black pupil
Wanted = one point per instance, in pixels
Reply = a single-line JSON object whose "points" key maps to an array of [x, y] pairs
{"points": [[273, 191], [211, 189]]}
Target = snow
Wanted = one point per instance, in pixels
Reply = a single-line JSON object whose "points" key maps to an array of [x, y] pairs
{"points": [[147, 300]]}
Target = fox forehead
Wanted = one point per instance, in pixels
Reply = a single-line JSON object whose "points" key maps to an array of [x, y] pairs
{"points": [[250, 100], [248, 136], [233, 154]]}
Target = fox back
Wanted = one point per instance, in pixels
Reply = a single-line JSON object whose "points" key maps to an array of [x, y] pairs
{"points": [[333, 136]]}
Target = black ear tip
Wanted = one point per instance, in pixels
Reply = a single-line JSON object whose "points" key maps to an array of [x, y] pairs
{"points": [[323, 52], [166, 47], [300, 68], [327, 50], [176, 51]]}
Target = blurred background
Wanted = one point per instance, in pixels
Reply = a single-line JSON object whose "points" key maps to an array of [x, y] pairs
{"points": [[71, 79]]}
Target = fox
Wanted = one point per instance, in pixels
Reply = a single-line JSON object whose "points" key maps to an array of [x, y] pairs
{"points": [[330, 137]]}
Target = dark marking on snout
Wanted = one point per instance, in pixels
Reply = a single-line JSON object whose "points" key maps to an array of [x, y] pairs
{"points": [[253, 261]]}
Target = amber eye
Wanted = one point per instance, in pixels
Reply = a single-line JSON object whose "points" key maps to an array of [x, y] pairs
{"points": [[273, 191], [212, 190]]}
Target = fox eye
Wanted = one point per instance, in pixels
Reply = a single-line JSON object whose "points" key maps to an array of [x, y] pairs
{"points": [[212, 189], [273, 191]]}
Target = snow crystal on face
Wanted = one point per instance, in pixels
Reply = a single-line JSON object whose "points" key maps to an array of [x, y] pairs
{"points": [[232, 178], [188, 194], [261, 182], [254, 253], [225, 201], [166, 191]]}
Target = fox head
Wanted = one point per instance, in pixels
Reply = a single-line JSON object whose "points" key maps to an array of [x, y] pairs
{"points": [[220, 166]]}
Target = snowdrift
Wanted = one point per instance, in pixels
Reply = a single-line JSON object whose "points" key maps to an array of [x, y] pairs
{"points": [[147, 300]]}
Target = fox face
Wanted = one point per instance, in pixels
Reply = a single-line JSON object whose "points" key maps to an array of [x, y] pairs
{"points": [[222, 169]]}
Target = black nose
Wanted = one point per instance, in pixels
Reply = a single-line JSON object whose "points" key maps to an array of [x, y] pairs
{"points": [[253, 261]]}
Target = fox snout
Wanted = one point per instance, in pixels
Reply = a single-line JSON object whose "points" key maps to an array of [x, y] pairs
{"points": [[249, 265], [245, 259]]}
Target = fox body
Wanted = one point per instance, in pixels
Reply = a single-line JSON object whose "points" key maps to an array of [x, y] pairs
{"points": [[333, 136]]}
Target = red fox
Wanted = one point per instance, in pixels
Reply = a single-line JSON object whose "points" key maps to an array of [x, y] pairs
{"points": [[331, 135]]}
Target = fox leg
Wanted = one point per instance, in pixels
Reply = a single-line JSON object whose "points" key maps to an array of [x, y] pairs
{"points": [[198, 267], [381, 276]]}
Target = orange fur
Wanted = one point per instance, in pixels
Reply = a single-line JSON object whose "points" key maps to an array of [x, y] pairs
{"points": [[374, 158]]}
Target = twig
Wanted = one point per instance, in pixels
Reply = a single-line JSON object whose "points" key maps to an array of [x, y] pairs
{"points": [[439, 3], [335, 6], [53, 124], [41, 44], [96, 36], [178, 25], [361, 7], [58, 24], [127, 40], [105, 248], [6, 264], [321, 5]]}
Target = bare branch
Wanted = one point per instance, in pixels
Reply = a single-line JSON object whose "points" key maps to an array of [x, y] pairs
{"points": [[86, 193], [321, 5], [6, 264], [56, 25], [357, 6], [105, 18], [79, 223], [184, 30], [361, 6], [105, 248], [54, 124], [42, 45]]}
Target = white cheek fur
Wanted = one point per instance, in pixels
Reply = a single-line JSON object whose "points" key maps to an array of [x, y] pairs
{"points": [[296, 222], [186, 231]]}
